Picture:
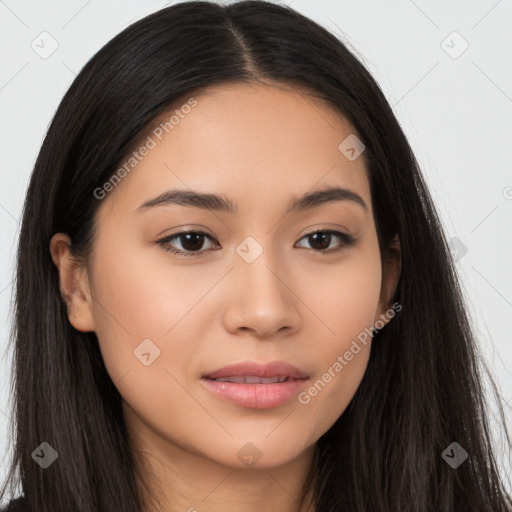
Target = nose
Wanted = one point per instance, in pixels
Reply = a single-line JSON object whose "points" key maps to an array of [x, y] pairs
{"points": [[262, 299]]}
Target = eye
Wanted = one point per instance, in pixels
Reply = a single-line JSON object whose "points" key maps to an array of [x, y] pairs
{"points": [[192, 242], [322, 240]]}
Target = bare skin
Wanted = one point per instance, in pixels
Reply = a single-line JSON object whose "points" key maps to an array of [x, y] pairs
{"points": [[261, 147]]}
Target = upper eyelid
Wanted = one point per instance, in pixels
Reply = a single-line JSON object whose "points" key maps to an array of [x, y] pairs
{"points": [[177, 235]]}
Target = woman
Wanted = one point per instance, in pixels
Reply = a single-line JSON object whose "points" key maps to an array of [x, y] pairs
{"points": [[309, 351]]}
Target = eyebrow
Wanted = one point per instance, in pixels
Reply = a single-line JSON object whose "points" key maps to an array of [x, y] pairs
{"points": [[223, 204]]}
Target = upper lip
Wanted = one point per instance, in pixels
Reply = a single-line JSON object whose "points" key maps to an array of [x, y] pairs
{"points": [[253, 368]]}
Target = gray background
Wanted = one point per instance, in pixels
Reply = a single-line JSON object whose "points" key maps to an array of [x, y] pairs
{"points": [[454, 104]]}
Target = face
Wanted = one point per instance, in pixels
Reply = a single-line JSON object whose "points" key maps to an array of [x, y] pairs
{"points": [[265, 283]]}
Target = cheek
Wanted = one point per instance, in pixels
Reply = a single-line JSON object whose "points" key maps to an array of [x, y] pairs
{"points": [[138, 297], [333, 387], [344, 296], [144, 314], [146, 291], [348, 304]]}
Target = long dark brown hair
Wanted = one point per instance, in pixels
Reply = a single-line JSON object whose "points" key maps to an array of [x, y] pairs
{"points": [[423, 386]]}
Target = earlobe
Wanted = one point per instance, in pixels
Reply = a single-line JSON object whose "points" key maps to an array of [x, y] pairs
{"points": [[74, 285]]}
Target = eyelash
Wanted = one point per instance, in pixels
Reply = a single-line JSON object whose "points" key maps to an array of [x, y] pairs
{"points": [[348, 241]]}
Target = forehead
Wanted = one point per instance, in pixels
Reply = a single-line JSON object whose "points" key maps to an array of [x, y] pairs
{"points": [[250, 142]]}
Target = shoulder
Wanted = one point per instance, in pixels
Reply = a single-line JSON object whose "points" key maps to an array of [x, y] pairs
{"points": [[16, 505]]}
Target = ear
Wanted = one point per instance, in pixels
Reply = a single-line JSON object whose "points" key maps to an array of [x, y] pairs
{"points": [[74, 283], [390, 275]]}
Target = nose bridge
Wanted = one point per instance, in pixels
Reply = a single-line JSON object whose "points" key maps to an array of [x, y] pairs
{"points": [[257, 266], [261, 300]]}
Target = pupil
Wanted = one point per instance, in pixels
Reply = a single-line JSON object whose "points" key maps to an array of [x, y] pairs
{"points": [[198, 239], [326, 240]]}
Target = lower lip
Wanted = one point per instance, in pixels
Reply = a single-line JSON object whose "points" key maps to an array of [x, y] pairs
{"points": [[256, 396]]}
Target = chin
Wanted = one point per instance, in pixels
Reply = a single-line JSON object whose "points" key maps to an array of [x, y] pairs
{"points": [[258, 454]]}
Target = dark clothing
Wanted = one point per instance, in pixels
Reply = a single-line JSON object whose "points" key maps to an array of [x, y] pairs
{"points": [[17, 505]]}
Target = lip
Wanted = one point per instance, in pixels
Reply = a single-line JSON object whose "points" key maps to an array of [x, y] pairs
{"points": [[259, 395], [266, 370]]}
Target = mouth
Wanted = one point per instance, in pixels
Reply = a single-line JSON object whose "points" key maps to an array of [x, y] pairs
{"points": [[254, 385], [252, 379]]}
